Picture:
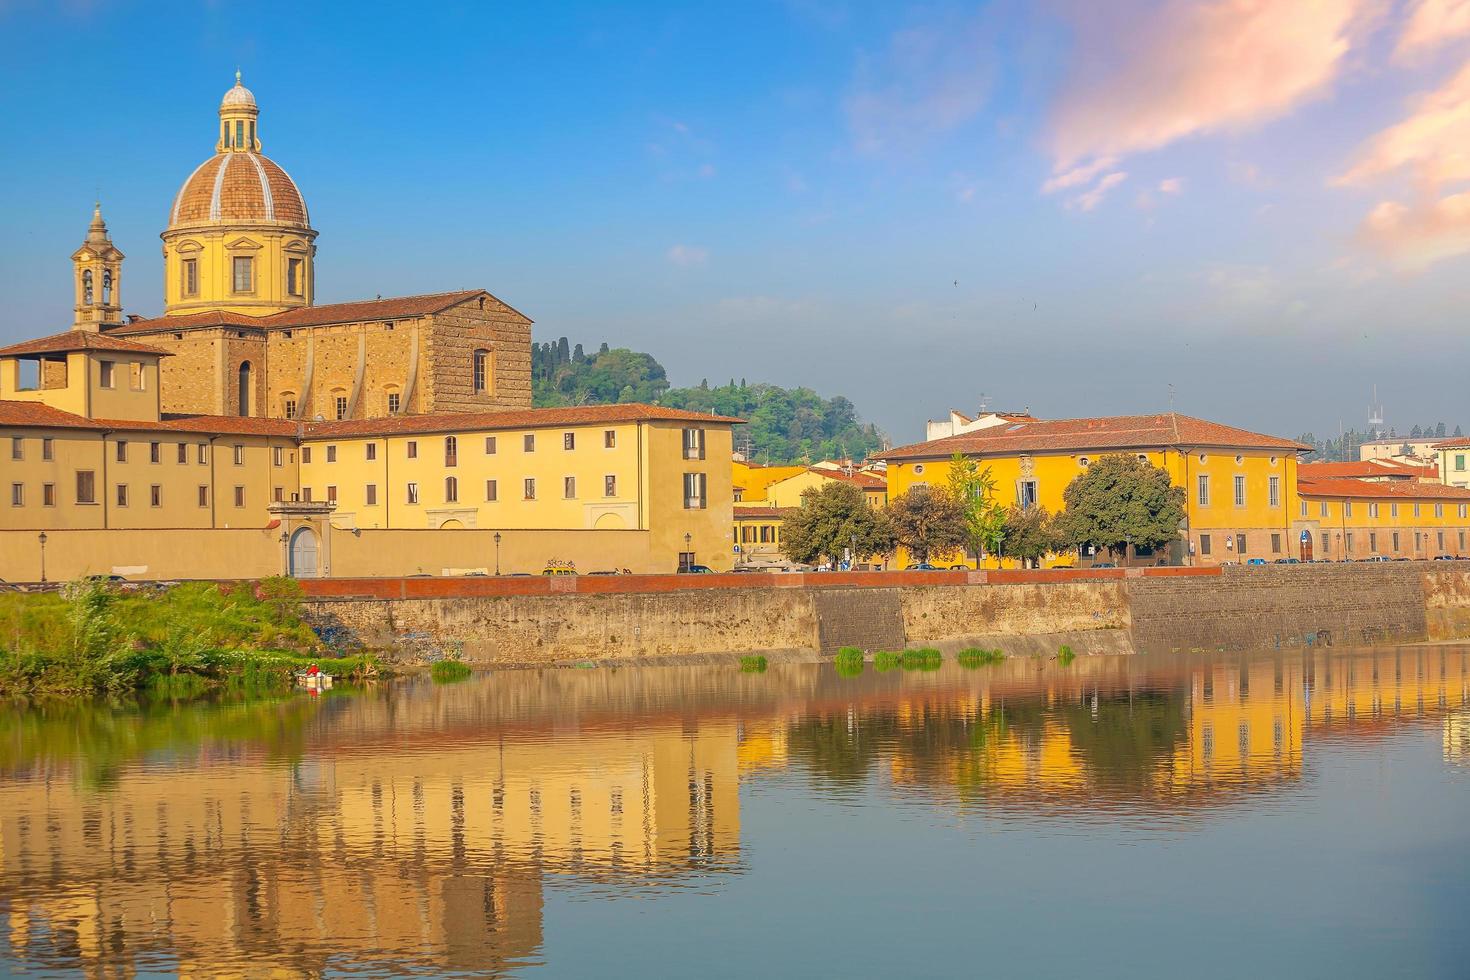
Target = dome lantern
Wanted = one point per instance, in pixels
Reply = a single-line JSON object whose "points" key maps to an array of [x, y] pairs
{"points": [[238, 116]]}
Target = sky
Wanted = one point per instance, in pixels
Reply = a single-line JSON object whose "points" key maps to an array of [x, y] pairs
{"points": [[1258, 209]]}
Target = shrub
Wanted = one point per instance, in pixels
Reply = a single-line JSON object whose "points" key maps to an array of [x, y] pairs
{"points": [[753, 665], [886, 660], [972, 657], [924, 658], [1065, 655], [449, 671]]}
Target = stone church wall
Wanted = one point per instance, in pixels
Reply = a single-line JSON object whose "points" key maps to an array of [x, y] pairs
{"points": [[448, 384]]}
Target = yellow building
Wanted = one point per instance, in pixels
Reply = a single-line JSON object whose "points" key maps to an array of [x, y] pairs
{"points": [[787, 492], [1240, 486], [1344, 520], [1453, 462], [757, 531], [750, 480]]}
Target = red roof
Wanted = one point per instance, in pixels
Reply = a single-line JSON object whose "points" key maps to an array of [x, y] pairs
{"points": [[36, 415], [1461, 443], [1366, 470], [393, 308], [865, 480], [1399, 489], [73, 340], [744, 512], [1096, 435]]}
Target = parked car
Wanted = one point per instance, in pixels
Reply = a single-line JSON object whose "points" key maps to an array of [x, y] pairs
{"points": [[1288, 561], [1104, 564], [695, 570], [959, 568], [921, 566], [1446, 557], [1255, 561]]}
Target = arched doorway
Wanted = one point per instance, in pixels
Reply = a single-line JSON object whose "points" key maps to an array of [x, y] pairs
{"points": [[244, 400], [303, 553]]}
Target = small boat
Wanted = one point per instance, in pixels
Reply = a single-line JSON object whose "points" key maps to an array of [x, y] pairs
{"points": [[320, 681]]}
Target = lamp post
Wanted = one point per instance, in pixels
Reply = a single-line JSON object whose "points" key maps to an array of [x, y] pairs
{"points": [[688, 550], [42, 539], [285, 555], [497, 553]]}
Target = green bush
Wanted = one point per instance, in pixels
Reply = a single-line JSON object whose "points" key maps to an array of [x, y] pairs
{"points": [[753, 665], [1065, 655], [849, 662], [449, 671], [972, 657], [886, 660], [923, 658]]}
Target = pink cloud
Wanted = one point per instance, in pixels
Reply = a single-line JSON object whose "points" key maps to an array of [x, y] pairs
{"points": [[1432, 23], [1433, 142], [1091, 199], [1078, 175], [1422, 234], [1171, 185], [1145, 81]]}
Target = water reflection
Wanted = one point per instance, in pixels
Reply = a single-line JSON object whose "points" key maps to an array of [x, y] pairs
{"points": [[416, 828]]}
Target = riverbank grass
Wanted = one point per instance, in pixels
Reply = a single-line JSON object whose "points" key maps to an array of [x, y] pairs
{"points": [[971, 658], [449, 671]]}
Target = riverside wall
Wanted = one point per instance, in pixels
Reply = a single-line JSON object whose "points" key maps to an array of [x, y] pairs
{"points": [[544, 621]]}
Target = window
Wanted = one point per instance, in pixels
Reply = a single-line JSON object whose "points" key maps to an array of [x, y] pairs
{"points": [[1322, 509], [278, 494], [341, 402], [610, 439], [1204, 544], [1304, 508], [1372, 542], [1439, 510], [481, 369], [331, 454], [239, 454], [528, 443], [17, 495], [243, 389], [1347, 508], [181, 453], [204, 496], [244, 273], [569, 487], [86, 487], [1460, 511], [491, 490], [48, 495], [48, 453], [451, 490], [1025, 494], [106, 369], [1204, 491], [694, 490], [17, 447], [155, 495], [1372, 510], [1240, 544], [155, 452], [569, 440], [331, 494], [1460, 462], [1348, 539], [370, 495], [1273, 491], [451, 451], [239, 496], [1439, 540], [293, 277], [1416, 510], [136, 379], [1393, 510], [1240, 491], [122, 494], [1395, 541], [278, 456], [1275, 544], [530, 488], [306, 494], [122, 450], [306, 454], [289, 409], [372, 450], [694, 444], [489, 445], [393, 403], [189, 277], [609, 486], [413, 493]]}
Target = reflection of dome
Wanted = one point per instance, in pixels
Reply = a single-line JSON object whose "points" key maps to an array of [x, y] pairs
{"points": [[236, 187], [237, 96]]}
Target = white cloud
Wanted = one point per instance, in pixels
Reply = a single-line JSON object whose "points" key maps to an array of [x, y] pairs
{"points": [[687, 256], [1077, 175], [1171, 185], [1088, 200]]}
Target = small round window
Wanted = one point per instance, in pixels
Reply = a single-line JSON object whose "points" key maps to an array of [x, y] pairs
{"points": [[1084, 461], [918, 468], [1239, 460], [1273, 460], [1204, 458]]}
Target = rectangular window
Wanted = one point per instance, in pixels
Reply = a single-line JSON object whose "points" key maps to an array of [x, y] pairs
{"points": [[1025, 494], [413, 449], [122, 450], [694, 444], [135, 375], [293, 277], [489, 445], [694, 491], [1275, 544], [244, 273], [413, 493], [491, 490], [1439, 510], [48, 453], [290, 408], [1304, 508], [569, 440], [1393, 510], [530, 488], [1240, 491], [17, 495], [155, 495], [528, 444], [48, 495], [370, 494], [569, 487], [1347, 508], [190, 277], [609, 486], [239, 454], [481, 372], [1416, 510], [1395, 541], [1240, 544], [239, 496], [372, 450], [1460, 511], [1204, 544], [1322, 509], [155, 452], [1372, 510], [331, 494], [393, 402], [451, 451], [1348, 539], [17, 447], [278, 455], [122, 494], [306, 454], [106, 369], [1439, 540], [306, 494], [1460, 462], [1273, 491], [278, 494], [610, 439], [1203, 495], [331, 454], [203, 495], [341, 403], [86, 487], [451, 490], [1372, 542], [182, 454]]}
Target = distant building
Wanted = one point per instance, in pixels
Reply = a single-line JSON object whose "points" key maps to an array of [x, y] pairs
{"points": [[1404, 450]]}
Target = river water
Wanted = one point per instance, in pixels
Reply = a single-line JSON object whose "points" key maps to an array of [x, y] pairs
{"points": [[1302, 814]]}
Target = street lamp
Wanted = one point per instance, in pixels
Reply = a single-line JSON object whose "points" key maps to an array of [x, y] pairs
{"points": [[688, 550], [42, 538], [285, 555], [497, 552]]}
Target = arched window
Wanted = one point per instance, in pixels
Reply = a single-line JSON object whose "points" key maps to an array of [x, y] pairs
{"points": [[451, 490], [482, 371], [86, 287], [106, 287], [451, 451], [243, 406]]}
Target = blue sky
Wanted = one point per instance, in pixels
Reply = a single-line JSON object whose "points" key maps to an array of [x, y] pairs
{"points": [[1068, 208]]}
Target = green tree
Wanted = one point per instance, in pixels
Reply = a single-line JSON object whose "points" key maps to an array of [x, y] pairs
{"points": [[973, 488], [832, 519], [1121, 500], [1030, 535], [927, 520]]}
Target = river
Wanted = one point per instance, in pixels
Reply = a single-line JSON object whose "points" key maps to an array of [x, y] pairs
{"points": [[1301, 814]]}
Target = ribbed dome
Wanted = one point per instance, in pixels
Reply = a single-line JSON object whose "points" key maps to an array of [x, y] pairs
{"points": [[233, 188], [239, 95]]}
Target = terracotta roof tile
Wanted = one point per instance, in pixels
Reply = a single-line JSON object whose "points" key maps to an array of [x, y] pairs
{"points": [[33, 414], [234, 187], [1097, 435], [865, 480], [1365, 470], [73, 340], [393, 308], [1461, 443], [743, 512], [1400, 490], [526, 419]]}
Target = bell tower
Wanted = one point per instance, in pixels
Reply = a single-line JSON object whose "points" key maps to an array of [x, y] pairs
{"points": [[97, 267]]}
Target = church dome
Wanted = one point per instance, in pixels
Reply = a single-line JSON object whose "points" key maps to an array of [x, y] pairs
{"points": [[236, 187], [238, 96]]}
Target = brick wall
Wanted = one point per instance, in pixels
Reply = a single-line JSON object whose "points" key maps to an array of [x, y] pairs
{"points": [[455, 335], [869, 619]]}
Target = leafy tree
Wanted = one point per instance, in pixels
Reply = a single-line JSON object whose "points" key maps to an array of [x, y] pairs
{"points": [[927, 521], [1121, 500], [830, 520], [1030, 534], [973, 488], [1458, 434], [1416, 432], [1439, 431]]}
